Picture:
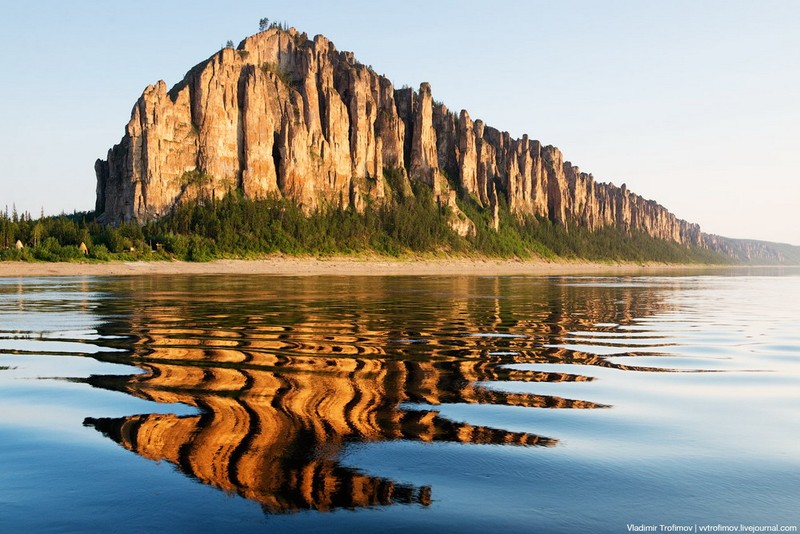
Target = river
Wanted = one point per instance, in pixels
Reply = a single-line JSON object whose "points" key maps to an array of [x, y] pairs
{"points": [[346, 403]]}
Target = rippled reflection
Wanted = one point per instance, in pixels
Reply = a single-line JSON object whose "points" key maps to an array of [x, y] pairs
{"points": [[477, 403], [286, 372]]}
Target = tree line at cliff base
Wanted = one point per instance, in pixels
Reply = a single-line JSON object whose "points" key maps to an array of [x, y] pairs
{"points": [[411, 224]]}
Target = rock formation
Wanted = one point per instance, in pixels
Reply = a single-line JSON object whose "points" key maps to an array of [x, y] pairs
{"points": [[294, 117]]}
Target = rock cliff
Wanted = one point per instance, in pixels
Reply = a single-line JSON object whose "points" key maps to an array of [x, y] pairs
{"points": [[294, 117]]}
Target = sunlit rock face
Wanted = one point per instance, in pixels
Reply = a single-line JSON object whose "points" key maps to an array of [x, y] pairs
{"points": [[294, 117]]}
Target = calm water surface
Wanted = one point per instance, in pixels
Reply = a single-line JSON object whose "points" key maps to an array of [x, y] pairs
{"points": [[536, 404]]}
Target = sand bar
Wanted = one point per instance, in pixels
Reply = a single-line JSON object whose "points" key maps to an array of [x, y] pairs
{"points": [[310, 266]]}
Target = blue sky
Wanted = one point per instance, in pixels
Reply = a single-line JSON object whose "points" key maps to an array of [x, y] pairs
{"points": [[695, 104]]}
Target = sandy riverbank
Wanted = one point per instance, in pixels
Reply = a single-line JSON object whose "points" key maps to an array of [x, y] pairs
{"points": [[332, 266]]}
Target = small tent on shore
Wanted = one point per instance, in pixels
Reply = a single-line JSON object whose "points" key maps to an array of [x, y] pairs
{"points": [[19, 245], [84, 250]]}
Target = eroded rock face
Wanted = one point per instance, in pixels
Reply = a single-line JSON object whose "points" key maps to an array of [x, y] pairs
{"points": [[294, 117]]}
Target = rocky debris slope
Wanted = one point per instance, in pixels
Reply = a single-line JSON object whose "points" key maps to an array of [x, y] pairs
{"points": [[294, 117]]}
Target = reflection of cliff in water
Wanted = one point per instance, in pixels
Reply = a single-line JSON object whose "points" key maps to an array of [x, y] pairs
{"points": [[285, 380], [275, 437]]}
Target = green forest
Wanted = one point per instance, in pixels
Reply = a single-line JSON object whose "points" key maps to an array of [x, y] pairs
{"points": [[404, 224]]}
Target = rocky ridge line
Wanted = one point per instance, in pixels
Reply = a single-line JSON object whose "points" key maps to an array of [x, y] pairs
{"points": [[294, 117]]}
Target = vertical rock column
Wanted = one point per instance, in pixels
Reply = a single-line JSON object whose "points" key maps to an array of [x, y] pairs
{"points": [[424, 165], [467, 155], [390, 127]]}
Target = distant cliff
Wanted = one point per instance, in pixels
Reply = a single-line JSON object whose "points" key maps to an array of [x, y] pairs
{"points": [[294, 117], [750, 251]]}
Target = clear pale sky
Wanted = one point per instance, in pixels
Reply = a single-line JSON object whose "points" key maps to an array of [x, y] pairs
{"points": [[695, 104]]}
